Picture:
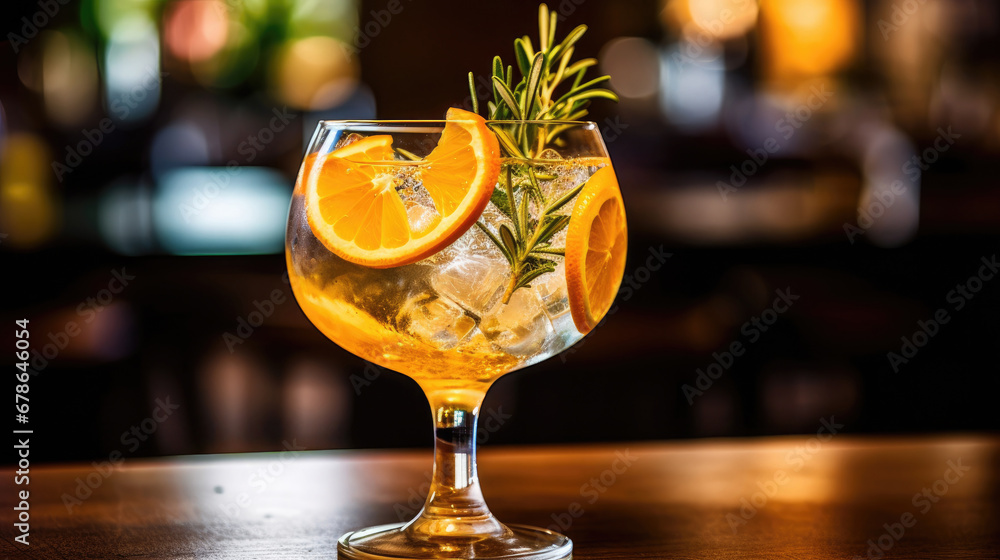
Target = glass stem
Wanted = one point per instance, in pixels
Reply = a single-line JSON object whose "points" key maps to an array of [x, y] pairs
{"points": [[455, 505]]}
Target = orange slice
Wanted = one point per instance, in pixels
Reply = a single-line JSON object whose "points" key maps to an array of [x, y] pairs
{"points": [[596, 243], [355, 211], [371, 148]]}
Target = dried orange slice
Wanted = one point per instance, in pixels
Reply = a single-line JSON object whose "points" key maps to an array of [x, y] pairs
{"points": [[355, 211], [596, 243]]}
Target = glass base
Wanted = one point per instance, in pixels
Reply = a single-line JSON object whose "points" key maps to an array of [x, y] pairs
{"points": [[391, 541]]}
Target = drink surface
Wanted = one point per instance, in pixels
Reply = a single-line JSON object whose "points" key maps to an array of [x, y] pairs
{"points": [[442, 320]]}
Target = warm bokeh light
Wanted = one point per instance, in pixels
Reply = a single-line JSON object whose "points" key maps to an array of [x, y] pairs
{"points": [[719, 19], [196, 30], [633, 65], [314, 73], [803, 38], [27, 205], [69, 77]]}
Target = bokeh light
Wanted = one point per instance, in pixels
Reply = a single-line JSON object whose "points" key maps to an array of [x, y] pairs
{"points": [[196, 30], [633, 65], [314, 73], [221, 210], [720, 19], [804, 38], [133, 69], [28, 207], [68, 77]]}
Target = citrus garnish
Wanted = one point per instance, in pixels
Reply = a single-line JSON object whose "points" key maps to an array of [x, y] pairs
{"points": [[354, 209], [595, 249], [462, 169]]}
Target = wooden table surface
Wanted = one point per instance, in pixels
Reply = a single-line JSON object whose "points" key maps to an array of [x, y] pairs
{"points": [[794, 497]]}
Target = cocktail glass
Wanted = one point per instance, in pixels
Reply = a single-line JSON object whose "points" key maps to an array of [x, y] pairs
{"points": [[455, 320]]}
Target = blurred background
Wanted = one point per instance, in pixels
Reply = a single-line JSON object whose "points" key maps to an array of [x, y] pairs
{"points": [[811, 187]]}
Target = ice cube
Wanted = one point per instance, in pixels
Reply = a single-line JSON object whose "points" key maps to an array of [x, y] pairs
{"points": [[474, 241], [551, 289], [421, 218], [473, 279], [420, 210], [519, 327], [435, 320]]}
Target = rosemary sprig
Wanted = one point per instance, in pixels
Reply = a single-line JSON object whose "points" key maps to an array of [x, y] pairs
{"points": [[525, 242], [542, 73]]}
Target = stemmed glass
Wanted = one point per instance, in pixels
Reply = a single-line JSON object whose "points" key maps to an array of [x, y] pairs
{"points": [[455, 295]]}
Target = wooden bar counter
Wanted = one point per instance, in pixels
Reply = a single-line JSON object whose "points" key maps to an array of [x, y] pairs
{"points": [[797, 497]]}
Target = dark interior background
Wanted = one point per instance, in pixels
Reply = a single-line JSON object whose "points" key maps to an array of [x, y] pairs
{"points": [[699, 89]]}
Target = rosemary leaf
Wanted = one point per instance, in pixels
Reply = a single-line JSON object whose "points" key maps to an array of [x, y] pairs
{"points": [[499, 200], [532, 87], [507, 237], [551, 226], [509, 191], [509, 143], [497, 242], [562, 200], [581, 88], [528, 49], [536, 270], [508, 97], [553, 19], [523, 218], [543, 26], [521, 54], [579, 65], [408, 154], [472, 93], [569, 41], [549, 251]]}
